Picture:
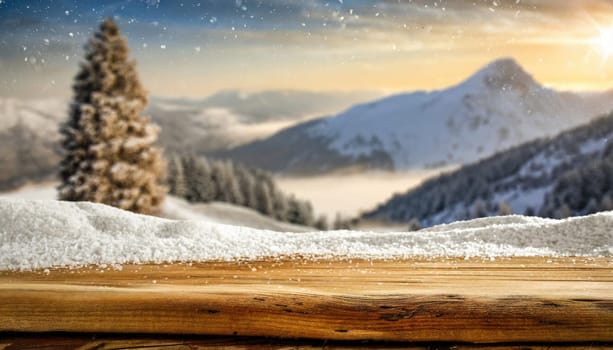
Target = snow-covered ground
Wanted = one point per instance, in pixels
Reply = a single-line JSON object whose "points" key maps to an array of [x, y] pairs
{"points": [[177, 208], [44, 233]]}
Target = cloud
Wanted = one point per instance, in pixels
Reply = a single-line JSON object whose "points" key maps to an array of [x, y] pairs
{"points": [[220, 37]]}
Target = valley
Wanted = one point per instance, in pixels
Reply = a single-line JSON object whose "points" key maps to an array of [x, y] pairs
{"points": [[351, 194]]}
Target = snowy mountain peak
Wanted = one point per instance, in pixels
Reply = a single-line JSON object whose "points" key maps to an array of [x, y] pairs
{"points": [[498, 107], [503, 74]]}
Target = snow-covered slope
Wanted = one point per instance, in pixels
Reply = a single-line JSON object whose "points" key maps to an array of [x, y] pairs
{"points": [[43, 115], [40, 234], [225, 213], [29, 139], [570, 174], [498, 107], [179, 209]]}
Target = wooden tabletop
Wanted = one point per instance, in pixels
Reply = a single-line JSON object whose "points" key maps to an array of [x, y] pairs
{"points": [[510, 300]]}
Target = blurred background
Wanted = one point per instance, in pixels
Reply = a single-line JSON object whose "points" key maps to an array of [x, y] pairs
{"points": [[380, 115]]}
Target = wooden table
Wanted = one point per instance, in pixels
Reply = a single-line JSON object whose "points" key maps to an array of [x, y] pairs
{"points": [[505, 302]]}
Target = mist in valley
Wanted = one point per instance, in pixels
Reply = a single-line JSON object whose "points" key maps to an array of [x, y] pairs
{"points": [[351, 194]]}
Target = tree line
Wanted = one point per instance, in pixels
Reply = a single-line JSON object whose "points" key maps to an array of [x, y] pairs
{"points": [[199, 179], [578, 181]]}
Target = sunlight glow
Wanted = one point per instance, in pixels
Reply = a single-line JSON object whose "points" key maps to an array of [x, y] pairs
{"points": [[604, 42]]}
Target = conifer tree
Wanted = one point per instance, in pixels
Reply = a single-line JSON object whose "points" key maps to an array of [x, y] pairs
{"points": [[321, 223], [340, 223], [246, 182], [110, 156], [264, 198], [203, 175], [504, 209], [280, 205], [176, 177], [563, 212], [232, 186], [199, 187], [218, 185], [189, 164], [414, 225]]}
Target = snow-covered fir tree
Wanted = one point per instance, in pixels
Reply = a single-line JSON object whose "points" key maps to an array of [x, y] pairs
{"points": [[299, 212], [176, 177], [280, 205], [109, 153], [265, 204], [197, 173], [246, 181], [231, 185]]}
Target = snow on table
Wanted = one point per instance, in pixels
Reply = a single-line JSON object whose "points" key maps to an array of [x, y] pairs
{"points": [[46, 233], [439, 284]]}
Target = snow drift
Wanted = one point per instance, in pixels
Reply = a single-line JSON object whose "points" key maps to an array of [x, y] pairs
{"points": [[40, 234]]}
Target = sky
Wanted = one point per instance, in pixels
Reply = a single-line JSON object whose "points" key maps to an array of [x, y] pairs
{"points": [[196, 48]]}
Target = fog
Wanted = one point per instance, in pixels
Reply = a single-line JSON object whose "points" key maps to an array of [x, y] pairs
{"points": [[352, 193]]}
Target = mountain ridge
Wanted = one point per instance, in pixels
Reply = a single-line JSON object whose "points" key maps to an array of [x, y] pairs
{"points": [[498, 107], [569, 174]]}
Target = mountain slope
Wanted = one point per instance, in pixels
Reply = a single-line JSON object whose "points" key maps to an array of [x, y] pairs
{"points": [[498, 107], [570, 174], [29, 140], [231, 118]]}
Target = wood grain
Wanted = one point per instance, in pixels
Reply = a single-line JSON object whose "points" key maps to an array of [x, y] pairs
{"points": [[506, 300], [115, 342]]}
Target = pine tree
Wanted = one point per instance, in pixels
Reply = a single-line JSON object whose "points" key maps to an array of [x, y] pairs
{"points": [[479, 209], [322, 223], [264, 198], [109, 154], [189, 165], [199, 187], [231, 185], [306, 213], [563, 212], [280, 205], [504, 209], [340, 223], [246, 182], [176, 177], [414, 225], [293, 213]]}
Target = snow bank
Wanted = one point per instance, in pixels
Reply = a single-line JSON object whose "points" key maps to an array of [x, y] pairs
{"points": [[39, 234]]}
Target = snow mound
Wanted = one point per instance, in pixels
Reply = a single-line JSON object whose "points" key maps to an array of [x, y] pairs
{"points": [[45, 233], [179, 209]]}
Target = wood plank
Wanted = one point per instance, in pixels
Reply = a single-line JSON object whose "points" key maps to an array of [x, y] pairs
{"points": [[420, 300], [107, 342]]}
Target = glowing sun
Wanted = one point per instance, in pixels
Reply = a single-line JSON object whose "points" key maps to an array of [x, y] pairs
{"points": [[604, 42]]}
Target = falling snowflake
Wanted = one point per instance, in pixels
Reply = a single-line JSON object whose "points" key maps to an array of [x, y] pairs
{"points": [[153, 3]]}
